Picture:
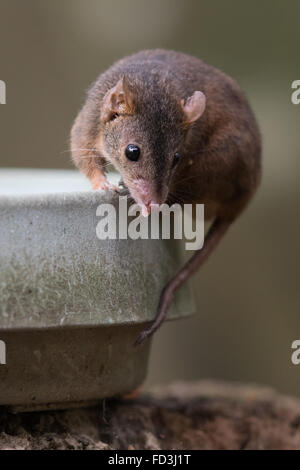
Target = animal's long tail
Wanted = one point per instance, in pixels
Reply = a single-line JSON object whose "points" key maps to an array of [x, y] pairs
{"points": [[214, 235]]}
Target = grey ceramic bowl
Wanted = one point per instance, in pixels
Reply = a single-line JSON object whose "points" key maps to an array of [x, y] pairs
{"points": [[71, 305]]}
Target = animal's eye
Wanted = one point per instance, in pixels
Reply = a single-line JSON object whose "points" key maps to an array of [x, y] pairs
{"points": [[132, 152], [175, 159]]}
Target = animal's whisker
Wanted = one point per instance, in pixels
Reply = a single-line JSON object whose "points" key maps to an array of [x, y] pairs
{"points": [[189, 178], [95, 156], [175, 198], [185, 195]]}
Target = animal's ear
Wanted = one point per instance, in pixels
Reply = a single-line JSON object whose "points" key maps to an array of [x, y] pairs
{"points": [[194, 106], [118, 100]]}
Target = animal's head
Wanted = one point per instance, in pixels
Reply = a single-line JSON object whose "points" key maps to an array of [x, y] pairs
{"points": [[143, 130]]}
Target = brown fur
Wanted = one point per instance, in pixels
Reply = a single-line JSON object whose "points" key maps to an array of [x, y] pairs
{"points": [[141, 100]]}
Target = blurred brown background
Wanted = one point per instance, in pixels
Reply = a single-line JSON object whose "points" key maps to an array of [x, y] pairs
{"points": [[248, 293]]}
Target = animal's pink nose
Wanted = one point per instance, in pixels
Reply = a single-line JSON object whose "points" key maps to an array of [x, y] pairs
{"points": [[143, 194]]}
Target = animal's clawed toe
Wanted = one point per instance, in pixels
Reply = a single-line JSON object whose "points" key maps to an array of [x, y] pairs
{"points": [[106, 186]]}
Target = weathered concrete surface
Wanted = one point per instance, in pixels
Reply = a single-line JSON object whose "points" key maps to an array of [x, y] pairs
{"points": [[55, 271], [66, 367], [57, 280], [204, 415]]}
